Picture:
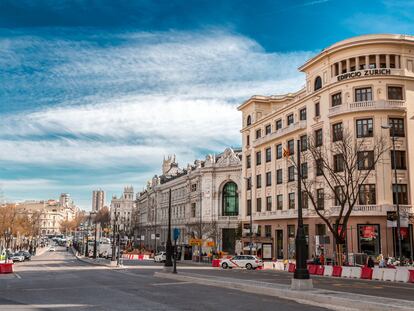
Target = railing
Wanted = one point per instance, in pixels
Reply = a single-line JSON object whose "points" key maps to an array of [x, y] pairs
{"points": [[373, 209], [367, 105], [279, 133]]}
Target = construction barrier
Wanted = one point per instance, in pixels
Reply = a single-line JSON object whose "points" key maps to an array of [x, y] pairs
{"points": [[328, 271], [312, 269], [292, 267], [377, 273], [6, 268], [346, 272], [320, 269], [389, 274], [279, 265], [366, 273], [411, 277], [215, 263], [356, 272], [268, 265], [337, 271], [402, 275]]}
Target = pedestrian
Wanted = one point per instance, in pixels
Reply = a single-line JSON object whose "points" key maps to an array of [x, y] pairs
{"points": [[370, 262]]}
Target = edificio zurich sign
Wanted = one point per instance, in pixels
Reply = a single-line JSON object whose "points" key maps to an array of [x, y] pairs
{"points": [[364, 73]]}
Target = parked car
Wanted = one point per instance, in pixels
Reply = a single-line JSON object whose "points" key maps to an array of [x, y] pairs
{"points": [[242, 261], [160, 257], [16, 257], [52, 249], [27, 255]]}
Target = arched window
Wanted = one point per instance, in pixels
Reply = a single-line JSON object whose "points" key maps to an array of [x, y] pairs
{"points": [[318, 83], [249, 120], [230, 200]]}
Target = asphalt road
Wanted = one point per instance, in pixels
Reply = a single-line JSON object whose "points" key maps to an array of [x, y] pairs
{"points": [[58, 281], [396, 290]]}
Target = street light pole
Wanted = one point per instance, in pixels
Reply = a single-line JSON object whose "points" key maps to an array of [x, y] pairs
{"points": [[251, 222], [96, 236], [114, 235], [168, 261]]}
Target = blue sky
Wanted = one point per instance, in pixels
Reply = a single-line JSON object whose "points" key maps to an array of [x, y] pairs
{"points": [[95, 93]]}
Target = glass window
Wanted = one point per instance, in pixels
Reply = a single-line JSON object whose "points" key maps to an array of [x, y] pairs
{"points": [[193, 210], [279, 176], [303, 142], [291, 146], [395, 92], [230, 200], [292, 200], [320, 229], [363, 94], [337, 131], [249, 183], [279, 151], [317, 110], [402, 194], [248, 140], [290, 119], [268, 129], [249, 207], [336, 99], [258, 204], [319, 167], [278, 124], [279, 199], [305, 199], [367, 195], [365, 160], [369, 239], [320, 199], [258, 133], [268, 204], [268, 179], [268, 154], [339, 195], [365, 128], [397, 124], [400, 163], [248, 161], [318, 138], [304, 170], [291, 173], [318, 83], [268, 231], [302, 114], [338, 162], [249, 120], [258, 158], [259, 181]]}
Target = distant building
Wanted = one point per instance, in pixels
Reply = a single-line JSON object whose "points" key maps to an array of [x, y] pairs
{"points": [[65, 199], [98, 200], [121, 210]]}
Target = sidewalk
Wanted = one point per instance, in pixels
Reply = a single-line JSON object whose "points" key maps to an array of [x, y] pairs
{"points": [[97, 261], [334, 300]]}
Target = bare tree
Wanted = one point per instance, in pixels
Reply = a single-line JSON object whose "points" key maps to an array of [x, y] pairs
{"points": [[341, 168]]}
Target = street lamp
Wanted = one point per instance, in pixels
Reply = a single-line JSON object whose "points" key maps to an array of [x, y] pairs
{"points": [[391, 127], [251, 220], [168, 247]]}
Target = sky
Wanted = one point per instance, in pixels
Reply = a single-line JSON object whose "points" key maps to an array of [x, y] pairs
{"points": [[94, 93]]}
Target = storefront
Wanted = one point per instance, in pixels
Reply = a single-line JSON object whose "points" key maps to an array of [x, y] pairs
{"points": [[369, 239]]}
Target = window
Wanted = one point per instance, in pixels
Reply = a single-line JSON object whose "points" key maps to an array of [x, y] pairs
{"points": [[304, 170], [194, 187], [291, 231], [399, 162], [249, 207], [268, 154], [320, 199], [259, 231], [279, 202], [363, 94], [339, 195], [230, 200], [365, 160], [336, 99], [402, 194], [367, 195], [259, 181], [318, 83], [268, 179], [318, 138], [258, 158], [249, 120], [258, 204], [279, 151], [303, 143], [249, 183], [278, 124], [248, 161], [397, 124], [305, 199], [290, 119], [258, 133], [302, 114], [395, 92], [268, 129], [320, 229], [268, 204], [365, 128], [291, 173], [369, 239], [292, 200], [319, 167], [338, 162], [291, 146], [317, 110], [337, 131], [248, 140], [268, 231], [279, 176], [193, 210]]}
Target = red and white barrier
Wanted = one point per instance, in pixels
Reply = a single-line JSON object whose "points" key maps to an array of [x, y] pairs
{"points": [[328, 271], [366, 273], [402, 275], [378, 273], [389, 275], [356, 272], [346, 272]]}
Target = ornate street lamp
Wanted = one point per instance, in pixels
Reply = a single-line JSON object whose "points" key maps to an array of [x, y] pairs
{"points": [[168, 261]]}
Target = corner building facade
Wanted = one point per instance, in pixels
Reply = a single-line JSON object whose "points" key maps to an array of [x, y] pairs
{"points": [[360, 85]]}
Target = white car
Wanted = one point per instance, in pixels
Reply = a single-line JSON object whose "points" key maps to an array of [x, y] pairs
{"points": [[16, 257], [52, 249], [160, 257], [242, 261]]}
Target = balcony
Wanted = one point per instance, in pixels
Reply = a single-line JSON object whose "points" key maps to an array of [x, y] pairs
{"points": [[282, 214], [229, 218], [373, 210], [368, 106], [279, 133]]}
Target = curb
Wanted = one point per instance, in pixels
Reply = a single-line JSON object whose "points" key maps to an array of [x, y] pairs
{"points": [[89, 261], [332, 300]]}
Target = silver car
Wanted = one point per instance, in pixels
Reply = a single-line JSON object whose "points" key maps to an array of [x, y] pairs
{"points": [[242, 261]]}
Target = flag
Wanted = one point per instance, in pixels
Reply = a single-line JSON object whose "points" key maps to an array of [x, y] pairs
{"points": [[286, 153]]}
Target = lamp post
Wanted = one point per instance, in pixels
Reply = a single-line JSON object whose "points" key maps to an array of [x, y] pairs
{"points": [[301, 280], [114, 235], [168, 247], [251, 221], [391, 127], [96, 237]]}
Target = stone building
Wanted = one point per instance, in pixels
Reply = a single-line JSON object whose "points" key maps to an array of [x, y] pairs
{"points": [[123, 208]]}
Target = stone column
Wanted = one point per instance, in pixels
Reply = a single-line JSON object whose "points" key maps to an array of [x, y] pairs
{"points": [[340, 67], [397, 61], [377, 61], [366, 61], [357, 63], [387, 60], [348, 65]]}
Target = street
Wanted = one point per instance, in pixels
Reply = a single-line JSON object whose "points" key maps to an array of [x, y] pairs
{"points": [[58, 281]]}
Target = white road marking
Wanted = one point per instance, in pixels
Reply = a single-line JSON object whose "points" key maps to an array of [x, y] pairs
{"points": [[18, 276], [171, 283]]}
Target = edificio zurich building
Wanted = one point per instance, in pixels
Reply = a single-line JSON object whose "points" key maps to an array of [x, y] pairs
{"points": [[359, 84]]}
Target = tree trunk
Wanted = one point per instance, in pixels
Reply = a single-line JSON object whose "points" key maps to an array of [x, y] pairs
{"points": [[339, 254]]}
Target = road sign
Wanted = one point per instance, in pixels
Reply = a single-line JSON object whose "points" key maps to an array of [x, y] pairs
{"points": [[142, 237], [176, 233], [152, 236], [193, 242]]}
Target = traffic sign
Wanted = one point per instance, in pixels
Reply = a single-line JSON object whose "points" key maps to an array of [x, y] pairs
{"points": [[193, 242], [176, 233]]}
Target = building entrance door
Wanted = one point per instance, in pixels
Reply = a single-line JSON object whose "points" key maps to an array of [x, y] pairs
{"points": [[279, 244]]}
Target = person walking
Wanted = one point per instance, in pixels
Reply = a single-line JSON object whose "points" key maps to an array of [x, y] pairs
{"points": [[370, 263]]}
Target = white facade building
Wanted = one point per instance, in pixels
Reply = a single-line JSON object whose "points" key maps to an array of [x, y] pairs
{"points": [[98, 200], [122, 208]]}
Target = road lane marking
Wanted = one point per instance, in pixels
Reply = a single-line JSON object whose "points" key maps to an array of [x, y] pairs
{"points": [[171, 283], [18, 276]]}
